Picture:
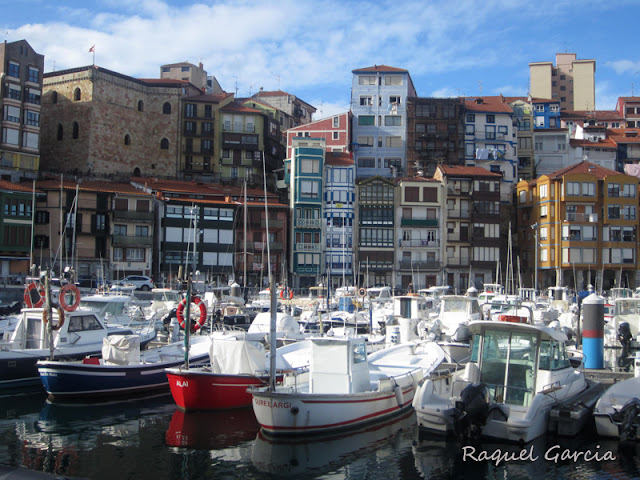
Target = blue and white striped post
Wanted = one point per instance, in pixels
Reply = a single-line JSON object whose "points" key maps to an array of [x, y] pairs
{"points": [[593, 331]]}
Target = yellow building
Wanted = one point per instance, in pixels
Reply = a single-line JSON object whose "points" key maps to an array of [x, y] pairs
{"points": [[578, 226]]}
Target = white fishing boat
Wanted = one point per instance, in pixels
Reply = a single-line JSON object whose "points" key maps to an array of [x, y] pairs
{"points": [[624, 325], [343, 389], [517, 373]]}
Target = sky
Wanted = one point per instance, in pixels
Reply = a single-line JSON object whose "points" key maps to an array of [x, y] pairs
{"points": [[310, 48]]}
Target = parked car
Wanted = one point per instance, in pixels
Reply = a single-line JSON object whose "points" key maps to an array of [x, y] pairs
{"points": [[141, 282]]}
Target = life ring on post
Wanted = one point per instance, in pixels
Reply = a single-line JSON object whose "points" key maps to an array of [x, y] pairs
{"points": [[362, 292], [203, 313], [286, 293], [45, 318], [69, 288], [28, 295]]}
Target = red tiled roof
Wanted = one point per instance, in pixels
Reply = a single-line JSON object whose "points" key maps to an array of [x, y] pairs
{"points": [[199, 188], [272, 93], [419, 178], [619, 135], [584, 167], [210, 97], [339, 158], [467, 171], [238, 107], [380, 68], [488, 104], [17, 187], [606, 143], [91, 186], [596, 115]]}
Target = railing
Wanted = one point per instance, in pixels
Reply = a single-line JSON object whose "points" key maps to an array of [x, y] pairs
{"points": [[419, 222], [457, 262], [306, 247], [459, 213], [419, 243], [456, 191], [131, 240], [421, 265], [128, 215], [582, 217], [457, 237], [226, 127], [308, 222]]}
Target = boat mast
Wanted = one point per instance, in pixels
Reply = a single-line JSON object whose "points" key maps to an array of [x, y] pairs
{"points": [[244, 253]]}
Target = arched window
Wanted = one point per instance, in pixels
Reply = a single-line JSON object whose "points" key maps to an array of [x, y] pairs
{"points": [[76, 130], [140, 106], [136, 172], [77, 94], [54, 97], [166, 108], [60, 131], [127, 139], [164, 144]]}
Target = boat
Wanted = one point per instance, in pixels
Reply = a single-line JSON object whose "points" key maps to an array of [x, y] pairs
{"points": [[122, 370], [616, 411], [343, 389], [81, 333], [623, 327], [516, 374], [236, 363]]}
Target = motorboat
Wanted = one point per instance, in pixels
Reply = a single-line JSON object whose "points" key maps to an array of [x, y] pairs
{"points": [[623, 326], [73, 335], [343, 388], [517, 373], [616, 411], [122, 370], [236, 363]]}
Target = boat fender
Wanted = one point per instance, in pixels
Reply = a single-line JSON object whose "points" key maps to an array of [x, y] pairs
{"points": [[399, 395], [45, 319], [69, 288], [294, 410], [29, 294]]}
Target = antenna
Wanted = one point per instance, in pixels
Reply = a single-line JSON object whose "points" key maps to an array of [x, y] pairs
{"points": [[480, 87], [236, 77]]}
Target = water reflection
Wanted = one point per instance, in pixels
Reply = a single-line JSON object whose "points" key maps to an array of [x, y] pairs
{"points": [[314, 456]]}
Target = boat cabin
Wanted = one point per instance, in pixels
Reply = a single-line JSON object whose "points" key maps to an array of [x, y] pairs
{"points": [[338, 365]]}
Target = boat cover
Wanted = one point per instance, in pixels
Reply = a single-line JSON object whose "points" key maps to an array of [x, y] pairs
{"points": [[121, 349], [237, 357]]}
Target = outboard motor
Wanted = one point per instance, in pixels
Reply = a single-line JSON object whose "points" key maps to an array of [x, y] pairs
{"points": [[166, 319], [626, 420], [625, 336], [472, 411], [462, 334]]}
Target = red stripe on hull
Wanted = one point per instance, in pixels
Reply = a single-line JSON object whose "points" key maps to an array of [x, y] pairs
{"points": [[207, 391]]}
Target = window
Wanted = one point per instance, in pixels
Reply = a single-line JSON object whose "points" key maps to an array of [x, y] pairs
{"points": [[77, 94], [613, 190], [335, 135], [491, 119], [392, 120], [629, 190], [14, 91], [471, 117], [366, 100], [543, 211], [365, 141], [366, 80], [75, 130], [366, 120], [629, 212], [140, 106], [12, 114], [543, 191], [166, 108], [336, 122], [393, 142], [309, 166], [14, 70], [539, 108], [127, 139], [572, 188], [393, 80], [366, 162], [308, 189], [394, 99], [191, 110], [29, 140], [33, 96], [208, 111], [10, 136], [142, 231], [613, 212], [120, 230], [470, 129], [32, 118], [588, 189], [164, 144], [490, 132]]}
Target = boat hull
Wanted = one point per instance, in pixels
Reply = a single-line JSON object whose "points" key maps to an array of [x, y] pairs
{"points": [[201, 389], [291, 414]]}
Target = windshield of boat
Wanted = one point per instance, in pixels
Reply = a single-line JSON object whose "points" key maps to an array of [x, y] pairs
{"points": [[166, 297], [454, 305], [627, 307], [113, 308]]}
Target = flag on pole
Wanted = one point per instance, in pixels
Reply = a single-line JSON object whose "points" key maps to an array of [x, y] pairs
{"points": [[92, 49]]}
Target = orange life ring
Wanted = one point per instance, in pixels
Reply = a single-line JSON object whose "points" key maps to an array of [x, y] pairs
{"points": [[28, 292], [203, 313], [512, 318], [286, 293], [45, 318], [69, 288], [362, 292]]}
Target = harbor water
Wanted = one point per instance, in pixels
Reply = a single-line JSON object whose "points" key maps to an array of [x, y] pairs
{"points": [[149, 438]]}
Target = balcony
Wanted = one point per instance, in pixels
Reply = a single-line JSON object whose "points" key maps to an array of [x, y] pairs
{"points": [[307, 247], [240, 141], [465, 214], [582, 217], [308, 223], [456, 192], [458, 237], [458, 262], [131, 241], [237, 128], [132, 216], [419, 243], [272, 223], [419, 265], [419, 222], [488, 136]]}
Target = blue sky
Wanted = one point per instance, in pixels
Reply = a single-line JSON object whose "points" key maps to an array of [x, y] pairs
{"points": [[309, 48]]}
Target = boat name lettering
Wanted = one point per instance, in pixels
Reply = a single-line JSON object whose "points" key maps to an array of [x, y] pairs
{"points": [[498, 456], [184, 383], [272, 404], [556, 453]]}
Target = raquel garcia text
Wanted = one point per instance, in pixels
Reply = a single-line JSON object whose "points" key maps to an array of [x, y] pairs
{"points": [[554, 454]]}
